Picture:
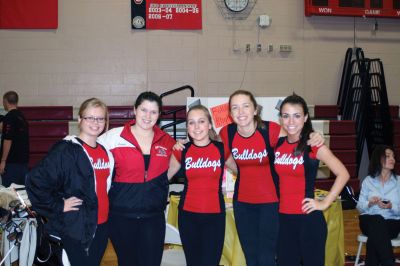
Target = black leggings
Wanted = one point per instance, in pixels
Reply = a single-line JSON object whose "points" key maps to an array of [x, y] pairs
{"points": [[77, 255], [379, 232], [257, 226], [302, 239], [138, 241], [202, 237]]}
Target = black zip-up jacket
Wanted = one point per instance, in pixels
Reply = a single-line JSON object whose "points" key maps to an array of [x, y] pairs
{"points": [[66, 172]]}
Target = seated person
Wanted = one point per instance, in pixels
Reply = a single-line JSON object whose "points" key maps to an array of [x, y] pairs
{"points": [[379, 207]]}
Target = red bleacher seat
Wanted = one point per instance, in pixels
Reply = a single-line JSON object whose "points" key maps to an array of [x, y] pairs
{"points": [[179, 115], [48, 129], [34, 158], [120, 112], [343, 127], [116, 123], [47, 112], [42, 144], [126, 112], [346, 156], [352, 168], [345, 142], [394, 111], [326, 111]]}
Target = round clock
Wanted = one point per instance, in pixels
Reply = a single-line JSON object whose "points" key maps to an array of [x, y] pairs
{"points": [[236, 5]]}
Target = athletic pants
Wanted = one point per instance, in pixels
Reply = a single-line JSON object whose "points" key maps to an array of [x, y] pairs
{"points": [[302, 239], [257, 226], [138, 241], [379, 232], [14, 173], [202, 237], [77, 256]]}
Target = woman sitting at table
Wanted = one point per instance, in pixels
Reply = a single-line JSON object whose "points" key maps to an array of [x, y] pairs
{"points": [[201, 207], [302, 226], [379, 206]]}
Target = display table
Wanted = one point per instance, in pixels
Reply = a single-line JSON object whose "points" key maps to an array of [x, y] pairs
{"points": [[232, 252]]}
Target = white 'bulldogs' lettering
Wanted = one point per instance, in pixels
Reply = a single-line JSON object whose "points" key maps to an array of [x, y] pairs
{"points": [[249, 155], [201, 163], [100, 164], [287, 159]]}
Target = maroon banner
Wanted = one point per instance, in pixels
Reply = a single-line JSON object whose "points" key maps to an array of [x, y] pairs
{"points": [[28, 14], [166, 14]]}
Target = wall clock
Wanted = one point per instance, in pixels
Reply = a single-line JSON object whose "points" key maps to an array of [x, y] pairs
{"points": [[236, 5], [235, 9]]}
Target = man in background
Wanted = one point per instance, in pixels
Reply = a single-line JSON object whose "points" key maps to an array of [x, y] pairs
{"points": [[14, 143]]}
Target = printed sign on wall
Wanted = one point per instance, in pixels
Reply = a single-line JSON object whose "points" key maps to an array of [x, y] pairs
{"points": [[166, 14]]}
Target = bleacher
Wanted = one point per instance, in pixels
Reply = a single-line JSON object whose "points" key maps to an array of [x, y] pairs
{"points": [[49, 124]]}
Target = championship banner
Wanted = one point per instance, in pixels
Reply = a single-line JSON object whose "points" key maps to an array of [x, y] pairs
{"points": [[166, 14], [28, 14]]}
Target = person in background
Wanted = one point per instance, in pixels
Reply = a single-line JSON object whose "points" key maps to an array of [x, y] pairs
{"points": [[1, 123], [379, 207], [201, 207], [14, 142], [302, 226], [138, 196], [69, 188], [250, 141]]}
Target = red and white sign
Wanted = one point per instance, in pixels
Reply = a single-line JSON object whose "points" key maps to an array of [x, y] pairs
{"points": [[167, 14]]}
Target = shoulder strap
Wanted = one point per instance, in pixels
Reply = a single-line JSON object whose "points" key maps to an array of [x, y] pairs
{"points": [[265, 133], [232, 128], [310, 171], [183, 155], [220, 147]]}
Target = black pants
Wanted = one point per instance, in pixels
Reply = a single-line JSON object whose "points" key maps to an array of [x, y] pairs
{"points": [[257, 226], [379, 232], [202, 237], [138, 241], [14, 173], [77, 256], [302, 239]]}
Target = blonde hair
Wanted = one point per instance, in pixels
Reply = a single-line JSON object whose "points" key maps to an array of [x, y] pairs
{"points": [[94, 103], [211, 133]]}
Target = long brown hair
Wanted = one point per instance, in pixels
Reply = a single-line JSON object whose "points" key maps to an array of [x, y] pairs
{"points": [[307, 128], [257, 116]]}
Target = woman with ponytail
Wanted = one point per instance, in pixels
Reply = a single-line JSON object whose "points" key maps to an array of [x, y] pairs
{"points": [[302, 227]]}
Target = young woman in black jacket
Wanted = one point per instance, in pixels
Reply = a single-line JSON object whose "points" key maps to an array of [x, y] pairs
{"points": [[69, 188]]}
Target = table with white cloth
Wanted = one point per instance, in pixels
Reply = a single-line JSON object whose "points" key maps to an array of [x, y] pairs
{"points": [[232, 253]]}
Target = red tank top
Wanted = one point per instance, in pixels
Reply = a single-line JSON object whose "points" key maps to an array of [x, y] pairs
{"points": [[203, 170], [256, 184], [294, 180], [101, 165]]}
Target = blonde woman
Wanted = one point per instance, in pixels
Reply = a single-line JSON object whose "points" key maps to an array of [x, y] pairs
{"points": [[69, 188]]}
